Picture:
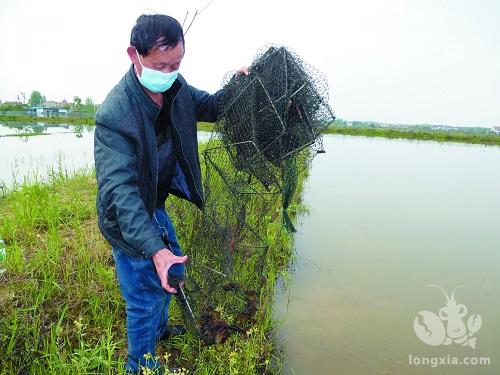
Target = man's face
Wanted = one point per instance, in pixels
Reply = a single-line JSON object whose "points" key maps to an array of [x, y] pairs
{"points": [[163, 59]]}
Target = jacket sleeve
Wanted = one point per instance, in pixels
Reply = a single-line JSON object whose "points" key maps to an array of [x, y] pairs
{"points": [[206, 104], [117, 179]]}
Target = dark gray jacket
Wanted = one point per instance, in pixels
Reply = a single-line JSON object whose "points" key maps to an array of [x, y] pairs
{"points": [[126, 162]]}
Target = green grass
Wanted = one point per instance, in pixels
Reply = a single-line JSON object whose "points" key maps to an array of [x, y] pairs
{"points": [[440, 136], [205, 126], [51, 120], [391, 133], [24, 135], [73, 120], [61, 311]]}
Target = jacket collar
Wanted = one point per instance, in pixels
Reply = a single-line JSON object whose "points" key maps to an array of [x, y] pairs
{"points": [[138, 91]]}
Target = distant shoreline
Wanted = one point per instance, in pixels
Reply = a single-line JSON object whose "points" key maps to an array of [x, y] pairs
{"points": [[429, 133], [419, 134], [50, 120]]}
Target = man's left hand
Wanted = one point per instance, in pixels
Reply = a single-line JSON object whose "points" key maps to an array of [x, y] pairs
{"points": [[163, 260], [243, 71]]}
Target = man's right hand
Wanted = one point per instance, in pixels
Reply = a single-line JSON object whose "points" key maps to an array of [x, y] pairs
{"points": [[163, 260]]}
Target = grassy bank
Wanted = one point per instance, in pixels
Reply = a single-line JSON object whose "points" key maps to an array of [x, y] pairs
{"points": [[440, 136], [49, 120], [205, 126], [24, 135], [61, 311], [73, 120], [391, 133]]}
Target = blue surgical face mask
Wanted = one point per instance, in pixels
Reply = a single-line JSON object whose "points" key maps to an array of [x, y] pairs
{"points": [[155, 80]]}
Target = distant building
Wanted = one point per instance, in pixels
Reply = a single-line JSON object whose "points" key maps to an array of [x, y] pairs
{"points": [[49, 109], [495, 129]]}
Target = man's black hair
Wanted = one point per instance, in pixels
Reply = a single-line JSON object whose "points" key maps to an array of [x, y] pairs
{"points": [[155, 30]]}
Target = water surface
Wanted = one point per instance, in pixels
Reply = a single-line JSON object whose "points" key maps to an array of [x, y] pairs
{"points": [[31, 150], [387, 218]]}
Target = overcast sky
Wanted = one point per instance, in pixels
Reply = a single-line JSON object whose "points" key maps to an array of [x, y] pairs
{"points": [[400, 61]]}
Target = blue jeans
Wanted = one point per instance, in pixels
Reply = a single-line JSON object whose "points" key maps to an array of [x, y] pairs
{"points": [[146, 301]]}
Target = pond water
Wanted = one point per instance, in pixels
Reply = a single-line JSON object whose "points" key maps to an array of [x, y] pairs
{"points": [[387, 219], [29, 151]]}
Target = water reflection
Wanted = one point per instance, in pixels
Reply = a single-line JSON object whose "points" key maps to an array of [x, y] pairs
{"points": [[23, 129], [30, 150]]}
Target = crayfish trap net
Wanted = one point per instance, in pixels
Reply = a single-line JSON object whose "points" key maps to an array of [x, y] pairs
{"points": [[269, 128]]}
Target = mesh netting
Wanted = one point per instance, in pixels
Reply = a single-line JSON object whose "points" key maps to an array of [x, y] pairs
{"points": [[268, 130]]}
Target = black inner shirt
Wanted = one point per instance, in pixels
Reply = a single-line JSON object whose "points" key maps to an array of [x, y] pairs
{"points": [[166, 154]]}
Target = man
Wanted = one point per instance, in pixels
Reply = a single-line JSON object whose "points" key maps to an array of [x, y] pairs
{"points": [[145, 149]]}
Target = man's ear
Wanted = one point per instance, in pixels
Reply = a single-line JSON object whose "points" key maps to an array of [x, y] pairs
{"points": [[132, 54], [131, 51]]}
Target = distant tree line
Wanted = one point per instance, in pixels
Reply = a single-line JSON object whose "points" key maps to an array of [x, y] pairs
{"points": [[37, 99]]}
